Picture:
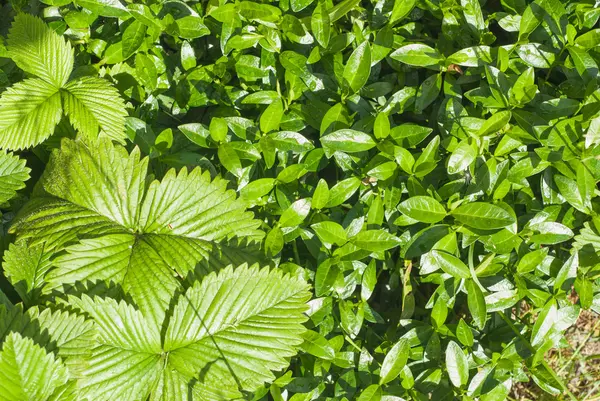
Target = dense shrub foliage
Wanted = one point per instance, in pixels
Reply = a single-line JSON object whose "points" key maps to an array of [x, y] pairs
{"points": [[295, 200]]}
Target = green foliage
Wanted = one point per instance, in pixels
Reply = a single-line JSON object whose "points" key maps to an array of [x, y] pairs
{"points": [[295, 200], [31, 109]]}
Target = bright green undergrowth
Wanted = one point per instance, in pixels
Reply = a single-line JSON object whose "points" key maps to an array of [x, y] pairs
{"points": [[373, 200]]}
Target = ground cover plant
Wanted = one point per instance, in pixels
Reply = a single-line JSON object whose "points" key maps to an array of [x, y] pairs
{"points": [[297, 200]]}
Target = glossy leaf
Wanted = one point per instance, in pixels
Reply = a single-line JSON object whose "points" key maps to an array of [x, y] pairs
{"points": [[394, 362], [483, 216], [477, 305], [423, 208], [451, 264], [418, 55], [358, 67], [457, 365]]}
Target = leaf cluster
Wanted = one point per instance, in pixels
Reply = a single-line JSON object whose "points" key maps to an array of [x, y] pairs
{"points": [[373, 200]]}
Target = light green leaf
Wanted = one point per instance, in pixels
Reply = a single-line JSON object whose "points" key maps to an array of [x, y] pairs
{"points": [[418, 55], [218, 129], [584, 63], [65, 333], [330, 232], [188, 56], [524, 88], [530, 20], [383, 171], [476, 303], [27, 372], [464, 333], [371, 393], [257, 189], [240, 324], [501, 300], [144, 14], [271, 117], [13, 174], [592, 135], [140, 233], [586, 184], [547, 380], [341, 191], [428, 92], [543, 323], [191, 27], [409, 135], [321, 24], [567, 272], [381, 128], [291, 141], [569, 190], [457, 365], [295, 214], [585, 291], [196, 133], [105, 8], [274, 241], [236, 307], [532, 260], [401, 9], [40, 51], [229, 159], [368, 281], [25, 266], [375, 240], [536, 55], [299, 5], [317, 345], [94, 105], [404, 158], [342, 8], [495, 123], [439, 313], [133, 37], [125, 361], [472, 56], [394, 361], [451, 264], [29, 111], [348, 140], [483, 216], [461, 158], [550, 232], [473, 16], [589, 40], [358, 67], [320, 195], [423, 208]]}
